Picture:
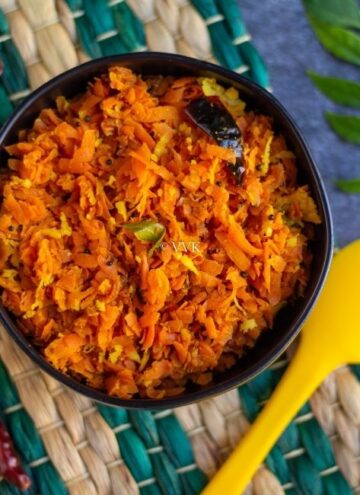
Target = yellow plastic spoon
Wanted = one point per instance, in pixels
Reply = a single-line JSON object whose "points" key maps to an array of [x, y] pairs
{"points": [[330, 338]]}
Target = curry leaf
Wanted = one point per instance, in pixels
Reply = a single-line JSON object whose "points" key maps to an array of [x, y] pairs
{"points": [[346, 126], [349, 186], [157, 244], [344, 13], [340, 91], [340, 42], [146, 231]]}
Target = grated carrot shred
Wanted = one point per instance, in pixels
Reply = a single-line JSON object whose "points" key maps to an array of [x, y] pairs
{"points": [[102, 305]]}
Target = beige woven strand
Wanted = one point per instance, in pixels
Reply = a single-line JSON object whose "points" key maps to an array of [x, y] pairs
{"points": [[24, 39], [173, 26], [144, 10], [42, 408], [103, 441], [42, 41], [322, 406], [349, 393], [157, 34], [67, 19], [75, 436], [205, 449], [194, 37], [53, 41], [169, 13], [8, 5], [86, 425], [264, 482], [336, 405], [216, 414], [224, 415]]}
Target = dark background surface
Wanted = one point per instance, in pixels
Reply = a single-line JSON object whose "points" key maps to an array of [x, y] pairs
{"points": [[283, 36]]}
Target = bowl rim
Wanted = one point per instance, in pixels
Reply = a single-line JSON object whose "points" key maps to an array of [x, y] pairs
{"points": [[280, 346]]}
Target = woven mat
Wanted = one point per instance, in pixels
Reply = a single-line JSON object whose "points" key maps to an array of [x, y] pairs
{"points": [[73, 446]]}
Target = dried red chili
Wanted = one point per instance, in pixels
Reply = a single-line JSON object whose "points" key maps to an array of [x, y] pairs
{"points": [[10, 466], [210, 114]]}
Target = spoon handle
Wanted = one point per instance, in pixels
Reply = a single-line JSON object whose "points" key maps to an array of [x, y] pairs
{"points": [[306, 371]]}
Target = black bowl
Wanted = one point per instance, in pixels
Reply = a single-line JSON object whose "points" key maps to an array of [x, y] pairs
{"points": [[272, 343]]}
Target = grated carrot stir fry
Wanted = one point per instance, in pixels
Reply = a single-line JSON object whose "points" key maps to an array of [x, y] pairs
{"points": [[129, 255]]}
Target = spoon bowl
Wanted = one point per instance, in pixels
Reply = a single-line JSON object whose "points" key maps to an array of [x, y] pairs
{"points": [[333, 328]]}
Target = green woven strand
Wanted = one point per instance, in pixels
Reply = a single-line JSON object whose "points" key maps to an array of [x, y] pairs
{"points": [[193, 482], [276, 376], [137, 460], [166, 474], [145, 424], [8, 489], [114, 416], [304, 410], [317, 444], [48, 480], [258, 70], [290, 439], [27, 441], [335, 484], [99, 15], [142, 467], [223, 49], [237, 29], [261, 386], [175, 441], [100, 18], [277, 463], [25, 435], [9, 396], [305, 476], [6, 106], [130, 28], [87, 38], [249, 403], [177, 445], [356, 370], [132, 448], [135, 455], [147, 433], [84, 31], [152, 489], [14, 77]]}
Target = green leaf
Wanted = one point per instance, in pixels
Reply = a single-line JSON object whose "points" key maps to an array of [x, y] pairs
{"points": [[147, 231], [340, 91], [345, 13], [157, 243], [349, 186], [346, 126], [340, 42]]}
